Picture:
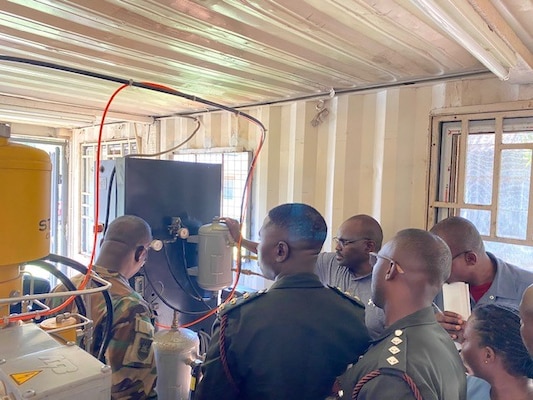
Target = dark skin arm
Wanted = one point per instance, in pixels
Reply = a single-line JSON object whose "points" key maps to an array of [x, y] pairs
{"points": [[235, 232]]}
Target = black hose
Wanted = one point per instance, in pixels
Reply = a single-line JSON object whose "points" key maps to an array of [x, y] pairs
{"points": [[50, 268], [177, 280], [109, 305], [108, 332], [108, 199], [191, 284], [123, 81], [160, 296], [68, 262]]}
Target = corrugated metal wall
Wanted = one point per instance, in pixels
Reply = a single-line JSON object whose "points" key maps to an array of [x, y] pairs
{"points": [[369, 155]]}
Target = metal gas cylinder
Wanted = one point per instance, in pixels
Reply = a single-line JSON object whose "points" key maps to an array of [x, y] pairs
{"points": [[176, 351], [215, 247]]}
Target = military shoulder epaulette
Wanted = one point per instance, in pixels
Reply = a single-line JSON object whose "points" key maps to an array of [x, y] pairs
{"points": [[394, 353], [354, 299], [237, 302]]}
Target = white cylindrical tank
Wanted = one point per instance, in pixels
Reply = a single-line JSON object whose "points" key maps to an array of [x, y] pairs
{"points": [[215, 256], [175, 350]]}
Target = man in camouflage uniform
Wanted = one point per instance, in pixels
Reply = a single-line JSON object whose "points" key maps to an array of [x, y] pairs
{"points": [[130, 352], [291, 341]]}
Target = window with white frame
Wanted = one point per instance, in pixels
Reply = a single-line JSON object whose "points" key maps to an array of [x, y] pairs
{"points": [[235, 166], [481, 170], [109, 151]]}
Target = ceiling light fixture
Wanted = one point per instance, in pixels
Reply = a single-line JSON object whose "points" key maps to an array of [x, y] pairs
{"points": [[453, 27]]}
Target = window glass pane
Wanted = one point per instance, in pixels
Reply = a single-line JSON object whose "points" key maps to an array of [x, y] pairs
{"points": [[85, 235], [517, 137], [185, 157], [513, 199], [114, 150], [480, 218], [485, 160], [228, 190], [517, 130], [125, 148], [234, 170], [209, 158], [479, 169], [476, 126], [451, 135], [521, 256], [109, 150]]}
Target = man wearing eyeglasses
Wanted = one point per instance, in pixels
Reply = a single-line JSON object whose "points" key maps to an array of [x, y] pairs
{"points": [[130, 353], [414, 358], [348, 268], [490, 279]]}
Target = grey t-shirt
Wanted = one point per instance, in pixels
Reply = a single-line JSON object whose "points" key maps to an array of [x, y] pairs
{"points": [[331, 273]]}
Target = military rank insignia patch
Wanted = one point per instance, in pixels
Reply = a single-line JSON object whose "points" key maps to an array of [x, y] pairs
{"points": [[143, 351]]}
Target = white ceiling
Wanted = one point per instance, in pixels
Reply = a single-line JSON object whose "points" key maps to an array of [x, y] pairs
{"points": [[61, 60]]}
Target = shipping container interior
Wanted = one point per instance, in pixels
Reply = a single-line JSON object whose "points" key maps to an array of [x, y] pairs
{"points": [[399, 110], [406, 110]]}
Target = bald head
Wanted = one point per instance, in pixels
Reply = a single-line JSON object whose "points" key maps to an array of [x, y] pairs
{"points": [[126, 238], [459, 234], [526, 315], [129, 230], [366, 227], [409, 272], [426, 253]]}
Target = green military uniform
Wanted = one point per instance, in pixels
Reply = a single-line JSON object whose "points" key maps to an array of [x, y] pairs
{"points": [[130, 351], [285, 343], [415, 349]]}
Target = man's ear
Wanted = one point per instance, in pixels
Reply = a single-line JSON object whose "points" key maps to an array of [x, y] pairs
{"points": [[370, 245], [392, 272], [282, 251], [471, 258], [138, 252]]}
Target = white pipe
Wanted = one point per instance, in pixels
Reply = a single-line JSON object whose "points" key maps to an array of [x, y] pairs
{"points": [[106, 286]]}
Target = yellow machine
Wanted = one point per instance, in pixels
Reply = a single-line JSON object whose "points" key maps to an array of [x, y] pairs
{"points": [[34, 365], [24, 211]]}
